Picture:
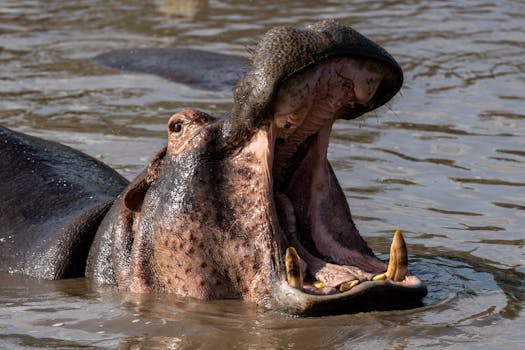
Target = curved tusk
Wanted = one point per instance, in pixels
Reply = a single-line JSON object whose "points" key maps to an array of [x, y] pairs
{"points": [[293, 268], [398, 263]]}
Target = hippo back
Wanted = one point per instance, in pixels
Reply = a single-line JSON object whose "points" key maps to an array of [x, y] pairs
{"points": [[52, 199]]}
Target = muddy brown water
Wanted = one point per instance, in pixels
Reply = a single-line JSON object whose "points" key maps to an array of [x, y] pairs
{"points": [[444, 162]]}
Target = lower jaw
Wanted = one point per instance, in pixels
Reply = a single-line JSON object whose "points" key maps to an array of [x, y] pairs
{"points": [[305, 270], [368, 296], [301, 292], [312, 275], [374, 287]]}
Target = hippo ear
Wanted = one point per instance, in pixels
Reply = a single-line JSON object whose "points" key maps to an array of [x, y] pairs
{"points": [[134, 195]]}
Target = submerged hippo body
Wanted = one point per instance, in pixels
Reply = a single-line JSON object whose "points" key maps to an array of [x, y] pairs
{"points": [[248, 206], [52, 199], [196, 68]]}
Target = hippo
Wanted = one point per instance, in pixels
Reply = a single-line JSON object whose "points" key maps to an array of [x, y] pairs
{"points": [[222, 70], [242, 206]]}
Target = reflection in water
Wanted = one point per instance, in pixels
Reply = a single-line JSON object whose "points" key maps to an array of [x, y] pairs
{"points": [[444, 162], [181, 10]]}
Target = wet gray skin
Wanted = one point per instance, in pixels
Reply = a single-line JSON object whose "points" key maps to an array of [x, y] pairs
{"points": [[52, 201], [248, 206], [197, 68]]}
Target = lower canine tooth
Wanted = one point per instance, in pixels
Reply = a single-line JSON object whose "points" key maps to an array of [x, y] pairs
{"points": [[380, 277], [398, 263], [319, 284], [293, 268], [345, 286]]}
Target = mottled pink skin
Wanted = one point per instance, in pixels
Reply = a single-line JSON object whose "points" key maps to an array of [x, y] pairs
{"points": [[191, 253], [199, 229]]}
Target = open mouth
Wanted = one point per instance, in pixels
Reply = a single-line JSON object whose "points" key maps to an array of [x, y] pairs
{"points": [[325, 256]]}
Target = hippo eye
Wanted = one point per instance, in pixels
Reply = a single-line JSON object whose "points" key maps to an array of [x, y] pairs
{"points": [[176, 127]]}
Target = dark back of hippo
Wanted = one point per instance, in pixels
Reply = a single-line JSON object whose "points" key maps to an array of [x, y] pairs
{"points": [[196, 68], [52, 199]]}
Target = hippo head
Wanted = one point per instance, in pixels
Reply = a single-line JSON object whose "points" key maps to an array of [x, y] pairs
{"points": [[248, 206]]}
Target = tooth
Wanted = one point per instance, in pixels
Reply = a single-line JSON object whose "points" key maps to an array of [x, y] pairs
{"points": [[346, 286], [380, 277], [293, 268], [319, 284], [398, 264], [293, 117]]}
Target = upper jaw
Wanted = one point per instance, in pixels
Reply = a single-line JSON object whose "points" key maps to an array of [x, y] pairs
{"points": [[284, 52], [311, 100]]}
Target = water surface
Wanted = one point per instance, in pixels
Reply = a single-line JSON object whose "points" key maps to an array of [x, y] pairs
{"points": [[444, 162]]}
